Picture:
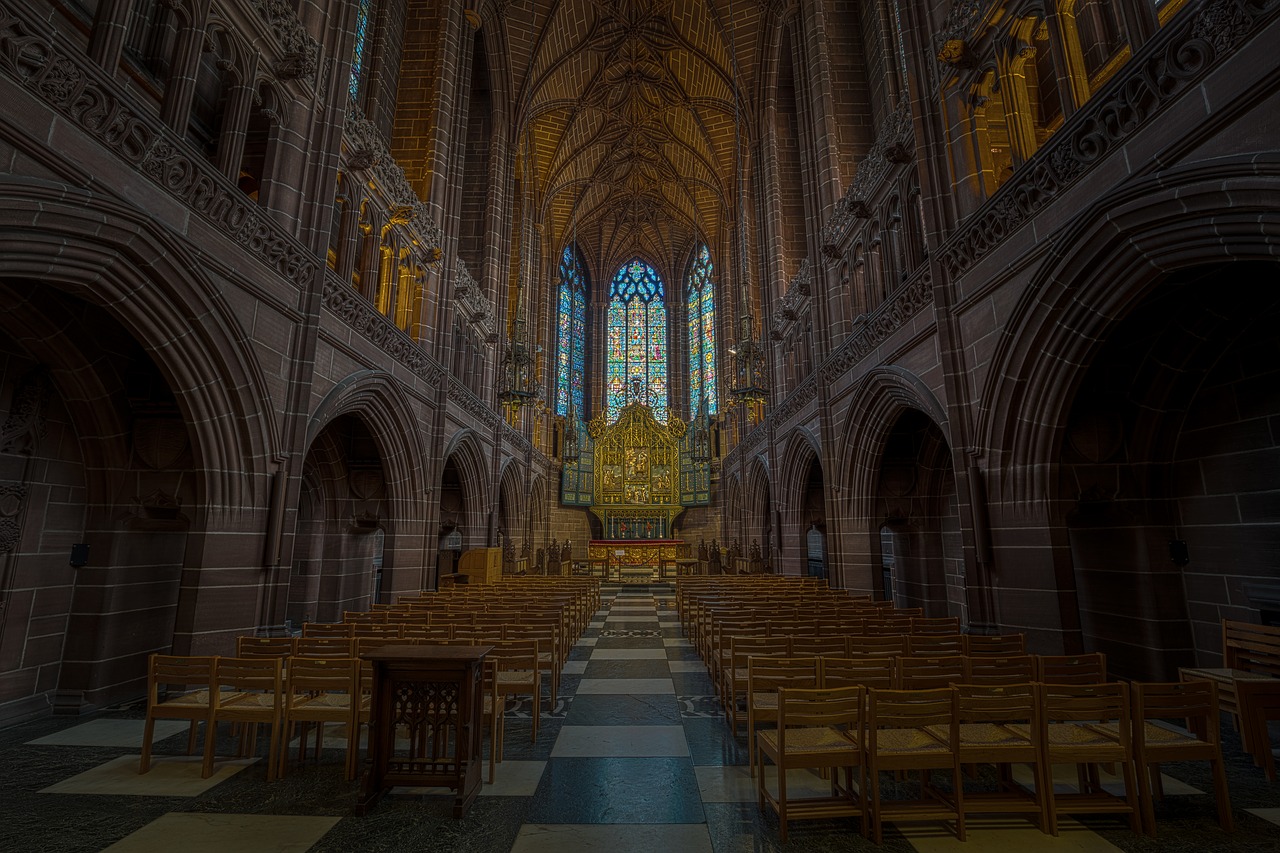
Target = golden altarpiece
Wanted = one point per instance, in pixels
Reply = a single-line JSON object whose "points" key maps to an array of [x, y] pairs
{"points": [[637, 475]]}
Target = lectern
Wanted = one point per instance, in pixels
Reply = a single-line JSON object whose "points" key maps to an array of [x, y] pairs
{"points": [[434, 695]]}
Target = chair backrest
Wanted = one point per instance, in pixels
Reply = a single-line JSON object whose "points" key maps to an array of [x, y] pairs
{"points": [[863, 670], [911, 709], [1072, 669], [832, 645], [429, 633], [326, 629], [375, 629], [921, 673], [935, 644], [765, 674], [364, 616], [744, 647], [998, 703], [321, 675], [878, 644], [838, 707], [1182, 701], [935, 625], [325, 647], [270, 647], [1090, 703], [249, 674], [514, 654], [995, 644], [179, 671], [999, 669]]}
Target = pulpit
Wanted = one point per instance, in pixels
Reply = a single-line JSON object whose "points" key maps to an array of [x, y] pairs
{"points": [[434, 693]]}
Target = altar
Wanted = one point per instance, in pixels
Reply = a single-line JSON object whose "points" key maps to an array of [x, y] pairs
{"points": [[635, 560]]}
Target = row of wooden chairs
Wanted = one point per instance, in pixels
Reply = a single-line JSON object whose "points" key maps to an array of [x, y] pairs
{"points": [[883, 645], [874, 731], [902, 673]]}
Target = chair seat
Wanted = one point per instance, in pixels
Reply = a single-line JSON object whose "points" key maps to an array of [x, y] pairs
{"points": [[251, 701], [515, 678], [764, 700], [194, 699], [799, 740], [985, 734], [324, 700], [912, 741]]}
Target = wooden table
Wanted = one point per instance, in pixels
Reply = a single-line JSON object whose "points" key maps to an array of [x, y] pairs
{"points": [[436, 693]]}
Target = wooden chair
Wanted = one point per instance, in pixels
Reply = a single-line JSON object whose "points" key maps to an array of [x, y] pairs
{"points": [[995, 644], [326, 629], [999, 669], [248, 691], [428, 633], [1088, 725], [264, 647], [325, 647], [1000, 724], [549, 651], [904, 732], [1072, 669], [734, 683], [322, 690], [356, 617], [923, 673], [180, 688], [765, 675], [817, 729], [493, 712], [863, 670], [519, 673], [1196, 702]]}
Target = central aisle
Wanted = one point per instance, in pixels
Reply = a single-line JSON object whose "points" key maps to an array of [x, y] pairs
{"points": [[621, 775]]}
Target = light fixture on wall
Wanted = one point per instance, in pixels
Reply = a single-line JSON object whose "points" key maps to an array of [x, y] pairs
{"points": [[750, 387], [519, 387]]}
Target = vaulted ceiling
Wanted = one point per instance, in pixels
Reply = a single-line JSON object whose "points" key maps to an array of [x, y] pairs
{"points": [[625, 118]]}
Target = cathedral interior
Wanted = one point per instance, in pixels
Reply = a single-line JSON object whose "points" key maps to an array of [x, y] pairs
{"points": [[313, 306]]}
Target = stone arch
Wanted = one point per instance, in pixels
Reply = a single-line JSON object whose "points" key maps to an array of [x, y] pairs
{"points": [[153, 287], [799, 510], [1127, 244], [879, 402], [463, 451], [1105, 497]]}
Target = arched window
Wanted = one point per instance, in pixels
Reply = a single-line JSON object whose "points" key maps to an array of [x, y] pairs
{"points": [[637, 341], [571, 339], [364, 12], [700, 299]]}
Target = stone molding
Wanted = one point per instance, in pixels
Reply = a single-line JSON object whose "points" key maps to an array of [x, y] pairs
{"points": [[791, 305], [71, 85], [1168, 66], [894, 145], [476, 309]]}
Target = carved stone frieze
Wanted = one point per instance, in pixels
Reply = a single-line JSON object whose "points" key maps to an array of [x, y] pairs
{"points": [[879, 325], [1168, 66], [354, 310], [474, 306], [70, 84], [795, 401], [473, 405]]}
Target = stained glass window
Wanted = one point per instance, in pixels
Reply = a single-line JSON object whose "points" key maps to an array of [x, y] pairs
{"points": [[571, 314], [700, 299], [362, 42], [637, 343]]}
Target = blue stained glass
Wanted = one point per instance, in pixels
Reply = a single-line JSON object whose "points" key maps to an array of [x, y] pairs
{"points": [[571, 324], [700, 295], [637, 335], [362, 40]]}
